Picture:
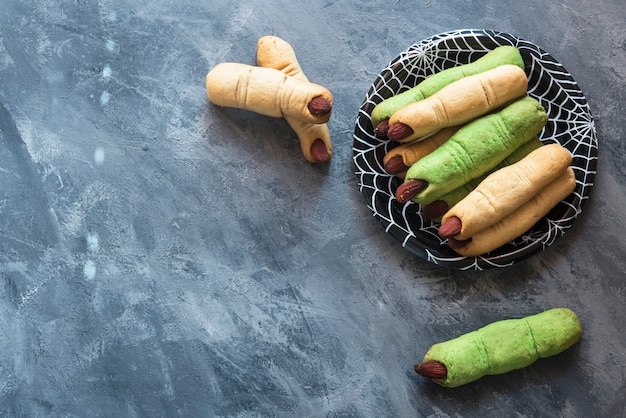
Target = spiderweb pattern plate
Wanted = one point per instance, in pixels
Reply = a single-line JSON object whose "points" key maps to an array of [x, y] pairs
{"points": [[570, 124]]}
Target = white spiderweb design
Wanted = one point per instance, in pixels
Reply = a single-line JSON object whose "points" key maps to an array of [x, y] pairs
{"points": [[570, 124]]}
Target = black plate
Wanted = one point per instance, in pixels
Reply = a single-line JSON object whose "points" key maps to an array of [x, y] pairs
{"points": [[570, 124]]}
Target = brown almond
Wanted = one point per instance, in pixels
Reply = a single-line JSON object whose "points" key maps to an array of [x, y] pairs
{"points": [[435, 209], [432, 369], [395, 165], [320, 106], [450, 227], [319, 152], [381, 130], [409, 189], [399, 131]]}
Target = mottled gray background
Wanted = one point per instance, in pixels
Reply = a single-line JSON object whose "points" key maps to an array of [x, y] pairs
{"points": [[163, 257]]}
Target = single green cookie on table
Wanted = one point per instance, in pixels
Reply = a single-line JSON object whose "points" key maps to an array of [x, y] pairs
{"points": [[505, 345]]}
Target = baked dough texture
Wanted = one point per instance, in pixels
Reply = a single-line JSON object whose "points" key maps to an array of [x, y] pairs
{"points": [[505, 345], [274, 52], [266, 91], [508, 188]]}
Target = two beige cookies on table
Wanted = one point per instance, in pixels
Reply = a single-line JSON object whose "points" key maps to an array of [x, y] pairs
{"points": [[277, 87]]}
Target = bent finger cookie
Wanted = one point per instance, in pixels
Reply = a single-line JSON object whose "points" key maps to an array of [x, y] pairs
{"points": [[519, 221], [501, 347], [315, 140], [505, 190], [267, 91]]}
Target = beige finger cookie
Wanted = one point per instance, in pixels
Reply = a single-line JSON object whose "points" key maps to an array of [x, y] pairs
{"points": [[505, 190], [315, 141], [519, 221], [267, 91]]}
